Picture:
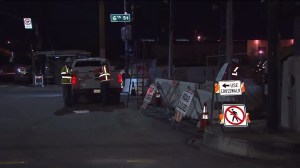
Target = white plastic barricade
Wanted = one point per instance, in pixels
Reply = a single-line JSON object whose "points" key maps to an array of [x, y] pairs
{"points": [[184, 102], [149, 95], [39, 80]]}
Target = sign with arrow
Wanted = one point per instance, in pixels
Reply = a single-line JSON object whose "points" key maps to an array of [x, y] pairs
{"points": [[230, 88]]}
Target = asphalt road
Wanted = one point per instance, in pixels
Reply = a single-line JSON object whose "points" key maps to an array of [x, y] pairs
{"points": [[37, 131]]}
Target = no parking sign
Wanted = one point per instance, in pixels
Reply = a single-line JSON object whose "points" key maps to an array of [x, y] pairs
{"points": [[27, 23]]}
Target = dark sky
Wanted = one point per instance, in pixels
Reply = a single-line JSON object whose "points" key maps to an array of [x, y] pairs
{"points": [[74, 24]]}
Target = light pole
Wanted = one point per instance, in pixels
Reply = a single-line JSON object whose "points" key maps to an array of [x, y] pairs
{"points": [[35, 27], [170, 72], [126, 43]]}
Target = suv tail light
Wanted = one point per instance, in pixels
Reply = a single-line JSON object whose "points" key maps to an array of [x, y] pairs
{"points": [[120, 78], [73, 80]]}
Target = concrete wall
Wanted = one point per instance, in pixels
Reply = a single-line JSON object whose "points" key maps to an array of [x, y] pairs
{"points": [[290, 104], [191, 74]]}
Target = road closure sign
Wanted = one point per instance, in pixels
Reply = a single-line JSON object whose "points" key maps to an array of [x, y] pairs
{"points": [[230, 88], [184, 102], [149, 94]]}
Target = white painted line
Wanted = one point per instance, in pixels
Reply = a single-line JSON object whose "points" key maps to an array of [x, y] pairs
{"points": [[12, 163], [81, 111]]}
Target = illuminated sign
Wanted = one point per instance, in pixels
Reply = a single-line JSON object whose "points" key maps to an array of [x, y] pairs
{"points": [[27, 23], [230, 88], [120, 18]]}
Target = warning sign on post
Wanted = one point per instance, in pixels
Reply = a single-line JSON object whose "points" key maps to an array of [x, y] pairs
{"points": [[235, 115], [230, 88], [184, 102], [27, 23]]}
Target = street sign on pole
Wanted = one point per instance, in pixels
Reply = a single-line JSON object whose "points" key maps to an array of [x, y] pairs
{"points": [[120, 18], [126, 33], [27, 23]]}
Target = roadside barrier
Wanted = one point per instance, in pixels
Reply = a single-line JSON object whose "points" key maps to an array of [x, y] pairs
{"points": [[194, 101]]}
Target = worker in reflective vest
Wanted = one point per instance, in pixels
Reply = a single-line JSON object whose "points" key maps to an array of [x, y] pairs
{"points": [[104, 77], [235, 69], [104, 74], [65, 75]]}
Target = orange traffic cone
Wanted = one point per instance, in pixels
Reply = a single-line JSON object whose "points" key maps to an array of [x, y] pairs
{"points": [[204, 121], [133, 93], [158, 98]]}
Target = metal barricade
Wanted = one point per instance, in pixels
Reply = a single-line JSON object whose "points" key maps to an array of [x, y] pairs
{"points": [[39, 80]]}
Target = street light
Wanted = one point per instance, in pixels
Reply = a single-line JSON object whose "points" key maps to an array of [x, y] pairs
{"points": [[199, 38]]}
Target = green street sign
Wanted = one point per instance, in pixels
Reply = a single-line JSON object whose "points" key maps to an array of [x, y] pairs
{"points": [[120, 18]]}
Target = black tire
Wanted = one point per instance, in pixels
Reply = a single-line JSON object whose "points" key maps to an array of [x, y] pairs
{"points": [[67, 95], [104, 86]]}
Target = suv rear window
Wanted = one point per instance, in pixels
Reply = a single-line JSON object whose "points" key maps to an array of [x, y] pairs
{"points": [[88, 63]]}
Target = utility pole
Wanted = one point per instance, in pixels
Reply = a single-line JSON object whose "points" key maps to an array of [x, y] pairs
{"points": [[229, 37], [273, 40], [126, 42], [170, 72], [101, 29], [296, 48]]}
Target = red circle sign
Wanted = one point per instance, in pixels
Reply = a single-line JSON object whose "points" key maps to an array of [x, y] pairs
{"points": [[239, 120], [27, 21]]}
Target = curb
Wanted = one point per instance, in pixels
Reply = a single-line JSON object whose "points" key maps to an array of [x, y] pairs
{"points": [[250, 148]]}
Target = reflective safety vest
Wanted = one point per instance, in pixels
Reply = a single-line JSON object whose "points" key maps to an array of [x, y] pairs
{"points": [[104, 74], [65, 75]]}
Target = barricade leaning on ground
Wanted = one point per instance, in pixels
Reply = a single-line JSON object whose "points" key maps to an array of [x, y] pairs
{"points": [[172, 94]]}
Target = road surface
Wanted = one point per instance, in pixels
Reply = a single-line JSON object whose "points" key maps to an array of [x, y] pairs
{"points": [[36, 131]]}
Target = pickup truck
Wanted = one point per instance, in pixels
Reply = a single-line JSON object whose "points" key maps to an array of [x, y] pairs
{"points": [[85, 81]]}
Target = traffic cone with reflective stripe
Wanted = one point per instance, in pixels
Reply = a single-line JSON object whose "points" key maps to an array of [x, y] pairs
{"points": [[133, 93], [204, 121], [158, 98]]}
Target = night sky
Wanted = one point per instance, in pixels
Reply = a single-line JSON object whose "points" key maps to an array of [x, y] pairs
{"points": [[70, 25]]}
